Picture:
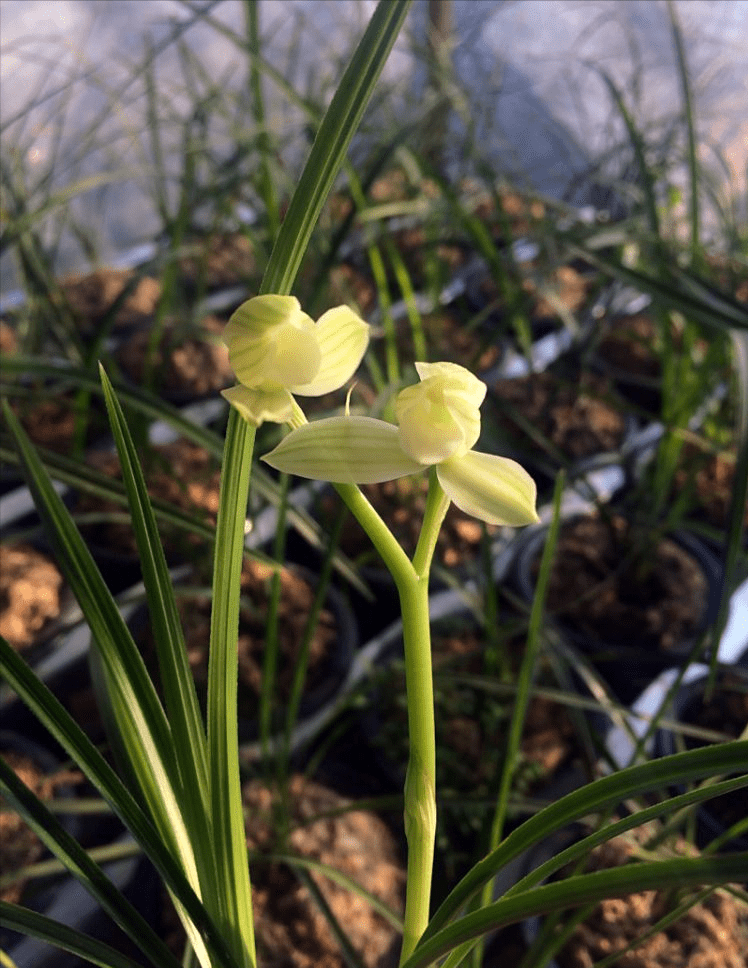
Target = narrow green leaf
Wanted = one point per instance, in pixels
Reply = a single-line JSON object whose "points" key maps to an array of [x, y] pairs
{"points": [[182, 707], [683, 291], [51, 832], [724, 759], [630, 822], [694, 168], [49, 711], [142, 727], [180, 697], [576, 891], [333, 137], [234, 895], [36, 925]]}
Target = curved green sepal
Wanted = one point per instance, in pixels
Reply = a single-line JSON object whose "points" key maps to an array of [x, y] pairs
{"points": [[344, 450], [493, 489]]}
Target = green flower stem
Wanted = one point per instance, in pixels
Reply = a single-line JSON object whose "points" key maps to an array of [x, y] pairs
{"points": [[420, 779], [412, 581], [398, 563], [437, 504]]}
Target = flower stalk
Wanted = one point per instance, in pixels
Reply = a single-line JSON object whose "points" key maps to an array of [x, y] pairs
{"points": [[277, 351]]}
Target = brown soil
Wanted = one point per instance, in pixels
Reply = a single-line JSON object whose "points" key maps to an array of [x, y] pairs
{"points": [[30, 594], [658, 606], [576, 419], [50, 422], [92, 296], [446, 338], [8, 340], [347, 285], [180, 473], [191, 367], [713, 934], [218, 261], [548, 736], [727, 711], [19, 845], [568, 286], [449, 339], [565, 289], [711, 477], [290, 930], [522, 212], [296, 600], [629, 346]]}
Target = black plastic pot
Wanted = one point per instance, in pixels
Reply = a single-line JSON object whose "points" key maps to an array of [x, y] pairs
{"points": [[63, 668], [336, 664], [714, 817], [70, 904], [628, 669]]}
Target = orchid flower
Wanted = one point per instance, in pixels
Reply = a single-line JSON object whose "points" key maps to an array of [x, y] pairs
{"points": [[438, 424], [276, 350]]}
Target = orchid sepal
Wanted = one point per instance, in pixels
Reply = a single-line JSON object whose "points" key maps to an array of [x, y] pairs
{"points": [[493, 489], [344, 450], [257, 406], [363, 450]]}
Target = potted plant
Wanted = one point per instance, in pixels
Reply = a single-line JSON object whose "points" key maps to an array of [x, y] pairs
{"points": [[178, 783], [712, 709], [649, 928], [635, 602]]}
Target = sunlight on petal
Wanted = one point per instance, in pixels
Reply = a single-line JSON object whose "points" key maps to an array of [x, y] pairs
{"points": [[493, 489], [342, 337], [272, 343], [439, 417], [457, 378], [344, 450]]}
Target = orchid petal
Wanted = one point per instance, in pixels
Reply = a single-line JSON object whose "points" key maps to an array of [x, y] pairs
{"points": [[493, 489], [272, 344], [342, 337], [344, 450], [257, 406], [457, 378], [439, 417], [429, 431]]}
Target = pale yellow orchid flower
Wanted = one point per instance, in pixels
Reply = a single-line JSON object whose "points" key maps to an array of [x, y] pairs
{"points": [[439, 422], [276, 350]]}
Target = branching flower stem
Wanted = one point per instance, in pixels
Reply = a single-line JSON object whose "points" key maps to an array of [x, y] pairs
{"points": [[412, 581]]}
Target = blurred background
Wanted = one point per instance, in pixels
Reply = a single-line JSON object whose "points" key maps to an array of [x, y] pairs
{"points": [[110, 107]]}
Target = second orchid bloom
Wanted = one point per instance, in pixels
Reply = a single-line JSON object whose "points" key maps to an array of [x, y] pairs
{"points": [[276, 350], [439, 422]]}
